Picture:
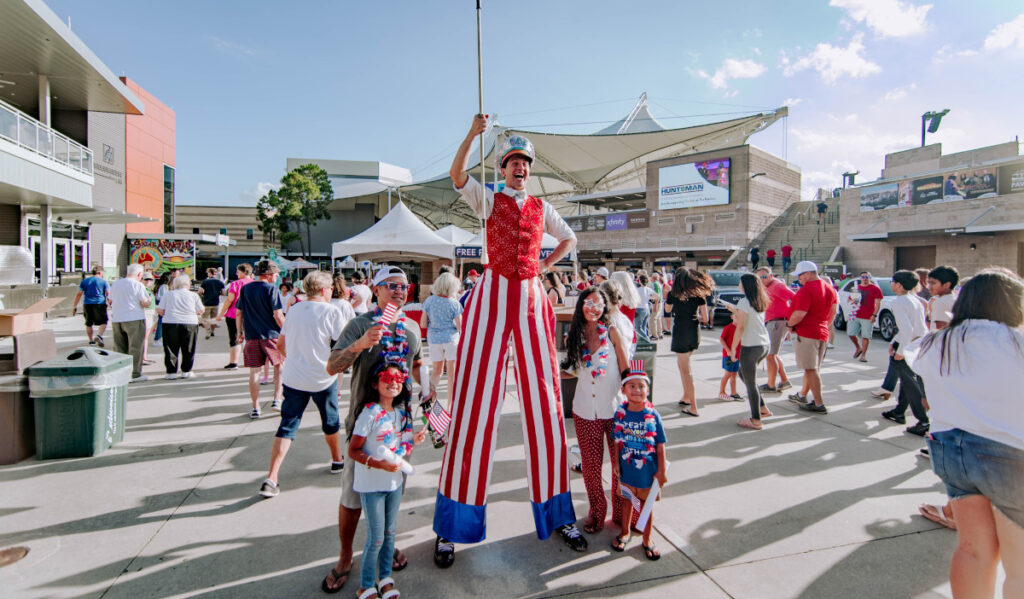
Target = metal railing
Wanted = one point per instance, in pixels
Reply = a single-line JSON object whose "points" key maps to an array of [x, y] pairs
{"points": [[19, 128]]}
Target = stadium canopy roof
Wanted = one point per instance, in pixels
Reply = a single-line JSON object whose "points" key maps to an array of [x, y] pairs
{"points": [[580, 164]]}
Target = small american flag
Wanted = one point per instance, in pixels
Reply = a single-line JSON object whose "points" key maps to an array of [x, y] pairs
{"points": [[388, 315], [438, 417], [631, 497]]}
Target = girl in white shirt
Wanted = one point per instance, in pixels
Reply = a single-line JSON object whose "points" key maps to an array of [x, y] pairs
{"points": [[750, 345], [596, 354], [974, 373]]}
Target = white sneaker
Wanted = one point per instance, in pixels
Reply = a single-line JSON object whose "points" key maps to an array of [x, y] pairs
{"points": [[276, 405], [171, 377], [880, 392], [187, 375], [139, 379]]}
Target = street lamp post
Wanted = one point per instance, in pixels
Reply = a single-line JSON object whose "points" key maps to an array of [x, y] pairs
{"points": [[935, 118]]}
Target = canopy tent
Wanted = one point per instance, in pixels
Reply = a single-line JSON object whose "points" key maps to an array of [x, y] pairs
{"points": [[568, 165], [456, 235], [302, 264], [399, 234]]}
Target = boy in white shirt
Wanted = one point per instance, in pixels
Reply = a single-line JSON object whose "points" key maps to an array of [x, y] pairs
{"points": [[910, 320], [305, 341], [942, 281]]}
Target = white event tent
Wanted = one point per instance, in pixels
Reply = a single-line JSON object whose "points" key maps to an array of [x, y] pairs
{"points": [[399, 234]]}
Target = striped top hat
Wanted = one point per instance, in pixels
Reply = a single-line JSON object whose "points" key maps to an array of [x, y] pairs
{"points": [[636, 371]]}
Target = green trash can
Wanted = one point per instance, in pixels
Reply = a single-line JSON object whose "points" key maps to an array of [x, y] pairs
{"points": [[80, 401], [647, 352]]}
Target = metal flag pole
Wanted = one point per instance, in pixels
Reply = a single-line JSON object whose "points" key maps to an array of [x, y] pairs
{"points": [[480, 105]]}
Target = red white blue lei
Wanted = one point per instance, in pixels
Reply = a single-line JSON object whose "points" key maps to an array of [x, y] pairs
{"points": [[400, 444], [639, 456], [597, 369], [396, 347]]}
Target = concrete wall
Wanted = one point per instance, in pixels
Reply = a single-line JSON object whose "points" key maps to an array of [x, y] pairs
{"points": [[107, 142], [235, 219]]}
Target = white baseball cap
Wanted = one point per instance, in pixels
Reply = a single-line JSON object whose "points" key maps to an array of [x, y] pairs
{"points": [[804, 266], [603, 272], [386, 272]]}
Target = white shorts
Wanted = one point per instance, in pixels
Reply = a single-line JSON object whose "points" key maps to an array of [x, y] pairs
{"points": [[444, 352]]}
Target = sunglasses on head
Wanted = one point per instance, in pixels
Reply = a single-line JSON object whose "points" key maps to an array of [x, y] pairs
{"points": [[396, 286], [390, 375]]}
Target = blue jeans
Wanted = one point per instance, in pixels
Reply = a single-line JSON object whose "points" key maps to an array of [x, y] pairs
{"points": [[640, 323], [381, 510], [970, 464], [295, 402]]}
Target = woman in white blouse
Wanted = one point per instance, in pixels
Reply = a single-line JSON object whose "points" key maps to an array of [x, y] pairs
{"points": [[180, 309], [750, 345], [973, 372]]}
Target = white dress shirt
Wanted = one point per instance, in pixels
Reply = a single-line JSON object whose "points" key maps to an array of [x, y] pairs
{"points": [[482, 204]]}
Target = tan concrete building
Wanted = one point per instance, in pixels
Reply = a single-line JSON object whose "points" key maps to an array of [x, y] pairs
{"points": [[964, 209], [696, 209]]}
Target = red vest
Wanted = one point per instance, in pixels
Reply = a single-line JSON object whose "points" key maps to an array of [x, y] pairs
{"points": [[514, 236]]}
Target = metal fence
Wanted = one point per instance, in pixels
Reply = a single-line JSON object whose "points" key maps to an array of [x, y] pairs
{"points": [[25, 131]]}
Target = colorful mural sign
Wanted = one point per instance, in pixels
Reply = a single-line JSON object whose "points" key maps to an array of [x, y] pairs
{"points": [[163, 255]]}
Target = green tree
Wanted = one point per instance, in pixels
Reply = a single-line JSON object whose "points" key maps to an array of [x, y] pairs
{"points": [[302, 199]]}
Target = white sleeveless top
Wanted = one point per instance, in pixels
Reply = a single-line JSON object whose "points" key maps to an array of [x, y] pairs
{"points": [[598, 398]]}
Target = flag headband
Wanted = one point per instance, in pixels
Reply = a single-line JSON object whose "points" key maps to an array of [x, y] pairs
{"points": [[636, 371]]}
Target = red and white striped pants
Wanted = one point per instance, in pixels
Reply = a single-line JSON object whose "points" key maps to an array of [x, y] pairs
{"points": [[499, 311]]}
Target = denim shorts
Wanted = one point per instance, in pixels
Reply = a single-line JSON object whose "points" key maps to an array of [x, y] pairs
{"points": [[972, 465], [295, 403]]}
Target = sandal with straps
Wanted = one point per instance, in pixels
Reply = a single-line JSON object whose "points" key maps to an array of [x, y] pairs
{"points": [[337, 576], [651, 552], [391, 593], [368, 593], [619, 544], [590, 525]]}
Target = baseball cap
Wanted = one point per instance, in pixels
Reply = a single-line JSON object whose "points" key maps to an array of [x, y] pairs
{"points": [[804, 266], [603, 272], [386, 272], [473, 273]]}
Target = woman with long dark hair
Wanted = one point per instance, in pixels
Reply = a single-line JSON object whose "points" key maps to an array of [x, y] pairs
{"points": [[690, 287], [596, 354], [556, 291], [750, 344], [974, 372]]}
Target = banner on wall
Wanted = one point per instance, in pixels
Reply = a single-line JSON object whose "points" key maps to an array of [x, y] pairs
{"points": [[969, 184], [639, 220], [695, 184], [879, 197], [1011, 178], [163, 255]]}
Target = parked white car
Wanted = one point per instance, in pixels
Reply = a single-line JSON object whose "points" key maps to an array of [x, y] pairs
{"points": [[849, 301]]}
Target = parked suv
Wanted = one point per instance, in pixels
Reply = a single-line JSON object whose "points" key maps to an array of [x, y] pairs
{"points": [[849, 301], [727, 290]]}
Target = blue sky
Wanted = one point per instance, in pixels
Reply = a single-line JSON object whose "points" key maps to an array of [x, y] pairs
{"points": [[253, 83]]}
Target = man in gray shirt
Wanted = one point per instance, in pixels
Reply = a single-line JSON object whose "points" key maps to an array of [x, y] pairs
{"points": [[361, 342]]}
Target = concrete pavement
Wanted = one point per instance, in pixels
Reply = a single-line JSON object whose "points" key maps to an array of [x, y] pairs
{"points": [[812, 506]]}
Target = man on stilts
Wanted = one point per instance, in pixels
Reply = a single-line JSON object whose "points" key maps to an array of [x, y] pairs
{"points": [[507, 303]]}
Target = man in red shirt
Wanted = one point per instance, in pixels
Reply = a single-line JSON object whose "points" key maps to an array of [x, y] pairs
{"points": [[787, 251], [779, 297], [814, 307], [862, 325], [770, 257]]}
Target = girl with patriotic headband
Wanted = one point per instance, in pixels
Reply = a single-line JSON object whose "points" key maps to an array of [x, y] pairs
{"points": [[640, 444], [595, 354]]}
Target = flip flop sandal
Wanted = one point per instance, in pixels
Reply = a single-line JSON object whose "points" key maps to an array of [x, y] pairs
{"points": [[368, 593], [683, 402], [748, 423], [651, 553], [391, 593], [936, 515], [337, 575], [766, 412], [399, 561], [619, 544], [591, 526], [689, 413]]}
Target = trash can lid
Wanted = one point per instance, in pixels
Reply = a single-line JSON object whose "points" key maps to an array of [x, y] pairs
{"points": [[81, 361]]}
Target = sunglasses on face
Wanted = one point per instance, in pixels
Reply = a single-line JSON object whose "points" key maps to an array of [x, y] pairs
{"points": [[593, 304], [389, 377], [396, 286]]}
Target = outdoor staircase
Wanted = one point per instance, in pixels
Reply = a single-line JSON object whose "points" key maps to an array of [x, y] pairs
{"points": [[798, 226]]}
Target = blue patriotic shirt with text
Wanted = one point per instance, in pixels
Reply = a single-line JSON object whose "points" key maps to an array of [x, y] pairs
{"points": [[634, 430]]}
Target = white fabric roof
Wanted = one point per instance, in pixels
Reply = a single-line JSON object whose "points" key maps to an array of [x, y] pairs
{"points": [[456, 235], [399, 233]]}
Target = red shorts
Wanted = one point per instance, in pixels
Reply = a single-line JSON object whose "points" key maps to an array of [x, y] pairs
{"points": [[259, 351]]}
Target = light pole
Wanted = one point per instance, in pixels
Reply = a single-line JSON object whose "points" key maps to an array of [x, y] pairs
{"points": [[935, 118]]}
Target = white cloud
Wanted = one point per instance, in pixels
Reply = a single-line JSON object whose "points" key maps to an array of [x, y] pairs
{"points": [[834, 62], [887, 18], [792, 101], [232, 48], [732, 69], [1006, 35], [249, 197], [899, 93], [946, 53]]}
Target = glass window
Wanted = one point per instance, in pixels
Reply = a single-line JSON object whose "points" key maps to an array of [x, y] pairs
{"points": [[223, 231], [250, 234], [195, 230], [168, 199]]}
